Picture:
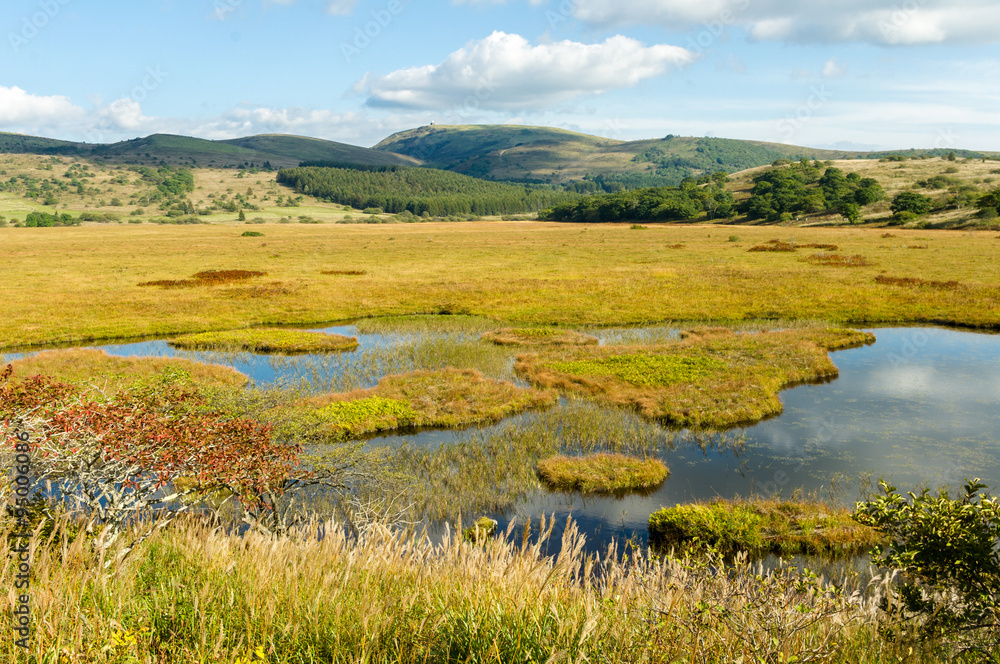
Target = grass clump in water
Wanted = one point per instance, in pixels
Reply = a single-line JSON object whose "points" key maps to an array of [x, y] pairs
{"points": [[602, 473], [538, 336], [713, 378], [481, 529], [268, 340], [761, 527], [96, 367], [443, 398]]}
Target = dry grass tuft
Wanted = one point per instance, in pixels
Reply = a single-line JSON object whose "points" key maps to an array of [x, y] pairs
{"points": [[818, 245], [353, 273], [838, 260], [774, 245], [538, 336], [888, 235], [207, 278], [711, 379], [673, 246], [602, 473], [916, 282]]}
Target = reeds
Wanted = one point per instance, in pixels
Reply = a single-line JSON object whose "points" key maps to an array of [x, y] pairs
{"points": [[193, 593]]}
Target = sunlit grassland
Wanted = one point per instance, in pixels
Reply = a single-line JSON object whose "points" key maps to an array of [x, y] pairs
{"points": [[193, 594], [268, 340], [761, 526], [713, 378], [72, 284]]}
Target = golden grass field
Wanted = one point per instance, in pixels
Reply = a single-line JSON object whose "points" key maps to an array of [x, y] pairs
{"points": [[82, 283]]}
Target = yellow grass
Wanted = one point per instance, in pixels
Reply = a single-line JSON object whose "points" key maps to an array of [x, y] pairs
{"points": [[95, 367], [603, 472], [72, 284]]}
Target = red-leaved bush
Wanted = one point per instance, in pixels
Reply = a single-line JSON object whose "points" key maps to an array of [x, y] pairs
{"points": [[145, 448]]}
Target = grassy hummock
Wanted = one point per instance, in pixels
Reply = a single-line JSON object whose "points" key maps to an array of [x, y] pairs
{"points": [[761, 527], [268, 340], [538, 336], [481, 529], [602, 473], [96, 367], [443, 398], [712, 378]]}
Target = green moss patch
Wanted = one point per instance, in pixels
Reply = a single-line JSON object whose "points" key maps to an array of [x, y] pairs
{"points": [[443, 398], [268, 340], [602, 473], [712, 378], [761, 527], [644, 369], [538, 336]]}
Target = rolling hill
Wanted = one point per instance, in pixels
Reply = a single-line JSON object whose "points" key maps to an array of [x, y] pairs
{"points": [[544, 154], [280, 151]]}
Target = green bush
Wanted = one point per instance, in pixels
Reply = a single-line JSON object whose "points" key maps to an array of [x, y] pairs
{"points": [[252, 234], [948, 551]]}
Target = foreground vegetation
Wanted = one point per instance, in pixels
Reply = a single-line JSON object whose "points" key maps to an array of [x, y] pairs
{"points": [[523, 272], [713, 378]]}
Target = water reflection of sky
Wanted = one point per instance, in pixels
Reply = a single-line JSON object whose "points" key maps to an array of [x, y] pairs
{"points": [[919, 407]]}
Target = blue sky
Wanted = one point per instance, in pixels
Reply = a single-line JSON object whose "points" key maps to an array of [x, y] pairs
{"points": [[852, 73]]}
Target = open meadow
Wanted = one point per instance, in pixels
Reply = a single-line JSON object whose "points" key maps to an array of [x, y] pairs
{"points": [[85, 283]]}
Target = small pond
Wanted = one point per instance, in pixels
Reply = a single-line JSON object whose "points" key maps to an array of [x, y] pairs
{"points": [[920, 407]]}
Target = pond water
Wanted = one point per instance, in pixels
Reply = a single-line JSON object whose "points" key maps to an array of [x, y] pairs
{"points": [[920, 407]]}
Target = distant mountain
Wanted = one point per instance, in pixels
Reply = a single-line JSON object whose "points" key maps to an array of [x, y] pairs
{"points": [[544, 154], [278, 150]]}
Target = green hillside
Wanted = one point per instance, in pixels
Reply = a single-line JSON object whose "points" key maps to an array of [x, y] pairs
{"points": [[277, 150], [21, 144], [300, 148], [547, 155]]}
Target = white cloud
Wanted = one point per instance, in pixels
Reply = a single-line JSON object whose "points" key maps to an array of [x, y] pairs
{"points": [[887, 22], [21, 109], [506, 71], [341, 7], [833, 70]]}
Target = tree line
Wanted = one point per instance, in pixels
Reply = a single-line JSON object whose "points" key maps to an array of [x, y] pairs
{"points": [[419, 190], [692, 199]]}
